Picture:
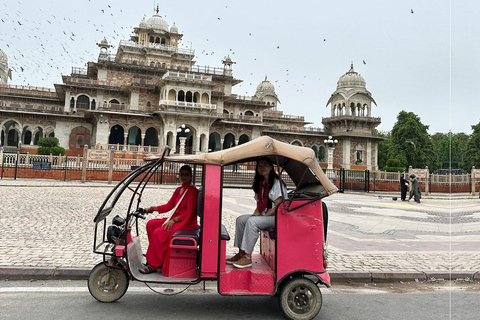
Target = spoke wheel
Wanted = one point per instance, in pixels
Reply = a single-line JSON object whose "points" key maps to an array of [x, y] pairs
{"points": [[300, 299], [107, 284]]}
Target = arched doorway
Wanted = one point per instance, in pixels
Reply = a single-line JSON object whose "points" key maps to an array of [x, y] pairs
{"points": [[228, 141], [151, 137], [243, 138], [134, 136], [79, 136], [214, 142], [188, 142], [296, 143], [38, 136], [12, 138], [116, 135]]}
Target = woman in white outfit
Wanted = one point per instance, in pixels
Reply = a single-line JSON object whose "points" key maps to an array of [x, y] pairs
{"points": [[269, 195]]}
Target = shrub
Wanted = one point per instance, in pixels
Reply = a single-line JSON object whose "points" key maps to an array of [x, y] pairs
{"points": [[50, 146]]}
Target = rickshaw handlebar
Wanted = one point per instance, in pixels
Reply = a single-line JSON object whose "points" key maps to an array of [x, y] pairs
{"points": [[140, 213]]}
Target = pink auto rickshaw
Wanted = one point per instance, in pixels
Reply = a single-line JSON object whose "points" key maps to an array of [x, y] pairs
{"points": [[292, 261]]}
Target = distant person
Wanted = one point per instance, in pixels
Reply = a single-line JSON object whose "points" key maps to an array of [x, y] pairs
{"points": [[403, 187], [414, 189]]}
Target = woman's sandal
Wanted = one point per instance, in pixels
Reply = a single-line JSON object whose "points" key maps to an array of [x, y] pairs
{"points": [[147, 270]]}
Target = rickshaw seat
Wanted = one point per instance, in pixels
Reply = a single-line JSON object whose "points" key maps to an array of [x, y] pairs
{"points": [[272, 232], [185, 233]]}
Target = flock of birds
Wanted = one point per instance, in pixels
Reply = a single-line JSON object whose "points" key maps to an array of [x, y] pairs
{"points": [[47, 45]]}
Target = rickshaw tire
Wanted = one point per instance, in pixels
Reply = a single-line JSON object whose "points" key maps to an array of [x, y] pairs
{"points": [[300, 299], [117, 288]]}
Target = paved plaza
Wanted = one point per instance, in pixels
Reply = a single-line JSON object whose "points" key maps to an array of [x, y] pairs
{"points": [[50, 224]]}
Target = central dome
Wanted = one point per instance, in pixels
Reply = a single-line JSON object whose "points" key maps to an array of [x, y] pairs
{"points": [[158, 23], [265, 87], [351, 79]]}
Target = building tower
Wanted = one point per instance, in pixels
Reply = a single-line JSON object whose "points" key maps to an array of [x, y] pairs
{"points": [[351, 122], [5, 72]]}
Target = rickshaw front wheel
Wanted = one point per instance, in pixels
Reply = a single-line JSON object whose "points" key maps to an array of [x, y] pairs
{"points": [[300, 299], [107, 284]]}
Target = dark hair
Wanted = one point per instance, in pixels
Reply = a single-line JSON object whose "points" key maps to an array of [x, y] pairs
{"points": [[186, 167], [259, 178]]}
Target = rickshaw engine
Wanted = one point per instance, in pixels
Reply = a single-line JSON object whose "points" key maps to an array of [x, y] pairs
{"points": [[114, 231]]}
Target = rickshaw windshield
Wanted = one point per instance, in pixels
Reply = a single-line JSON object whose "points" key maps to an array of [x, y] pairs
{"points": [[141, 175]]}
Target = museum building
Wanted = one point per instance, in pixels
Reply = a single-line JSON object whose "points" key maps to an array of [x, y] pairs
{"points": [[150, 94]]}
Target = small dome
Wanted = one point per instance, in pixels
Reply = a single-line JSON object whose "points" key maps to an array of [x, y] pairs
{"points": [[265, 87], [351, 79], [143, 24], [158, 23], [174, 29], [228, 60], [104, 42]]}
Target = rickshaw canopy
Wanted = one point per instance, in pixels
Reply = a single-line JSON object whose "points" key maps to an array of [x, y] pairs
{"points": [[300, 163]]}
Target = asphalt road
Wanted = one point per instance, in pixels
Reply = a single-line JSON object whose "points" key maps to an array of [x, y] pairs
{"points": [[71, 300]]}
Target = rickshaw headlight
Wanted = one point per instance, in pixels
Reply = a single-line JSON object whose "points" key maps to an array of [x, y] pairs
{"points": [[113, 232]]}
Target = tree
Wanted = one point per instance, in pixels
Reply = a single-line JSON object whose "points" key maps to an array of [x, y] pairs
{"points": [[383, 149], [411, 143], [471, 156], [450, 148], [50, 146]]}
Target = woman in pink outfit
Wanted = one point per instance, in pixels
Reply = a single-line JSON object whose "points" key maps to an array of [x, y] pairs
{"points": [[160, 232]]}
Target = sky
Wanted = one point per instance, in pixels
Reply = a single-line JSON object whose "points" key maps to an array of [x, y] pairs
{"points": [[424, 62]]}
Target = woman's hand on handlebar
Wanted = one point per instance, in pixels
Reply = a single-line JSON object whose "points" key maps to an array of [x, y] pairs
{"points": [[150, 209]]}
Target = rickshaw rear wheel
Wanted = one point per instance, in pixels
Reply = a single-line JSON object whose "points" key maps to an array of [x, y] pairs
{"points": [[107, 284], [300, 299]]}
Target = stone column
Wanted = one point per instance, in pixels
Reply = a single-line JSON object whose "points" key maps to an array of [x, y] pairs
{"points": [[427, 175], [472, 177], [125, 136], [221, 143], [143, 139], [197, 147], [174, 142], [84, 163], [182, 145], [369, 155]]}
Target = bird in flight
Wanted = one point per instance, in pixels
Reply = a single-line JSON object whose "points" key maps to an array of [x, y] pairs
{"points": [[364, 62], [411, 10]]}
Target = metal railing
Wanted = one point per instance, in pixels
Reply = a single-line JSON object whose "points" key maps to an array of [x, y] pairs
{"points": [[188, 104]]}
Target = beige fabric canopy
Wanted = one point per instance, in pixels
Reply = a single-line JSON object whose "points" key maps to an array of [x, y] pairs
{"points": [[299, 162]]}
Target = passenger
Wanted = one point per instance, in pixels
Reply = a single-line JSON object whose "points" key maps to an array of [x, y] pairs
{"points": [[268, 194], [160, 231]]}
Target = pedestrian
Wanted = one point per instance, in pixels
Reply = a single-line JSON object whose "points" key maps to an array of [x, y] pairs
{"points": [[269, 192], [403, 187], [160, 231], [414, 189]]}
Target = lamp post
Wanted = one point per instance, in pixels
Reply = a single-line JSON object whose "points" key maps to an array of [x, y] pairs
{"points": [[330, 144], [182, 132]]}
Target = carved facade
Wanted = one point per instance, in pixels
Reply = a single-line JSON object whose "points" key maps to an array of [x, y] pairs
{"points": [[137, 100]]}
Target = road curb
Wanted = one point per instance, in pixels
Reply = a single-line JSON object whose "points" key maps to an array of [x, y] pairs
{"points": [[51, 273]]}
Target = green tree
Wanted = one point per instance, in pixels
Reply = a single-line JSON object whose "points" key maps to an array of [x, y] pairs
{"points": [[471, 156], [50, 146], [383, 149], [411, 143], [450, 148]]}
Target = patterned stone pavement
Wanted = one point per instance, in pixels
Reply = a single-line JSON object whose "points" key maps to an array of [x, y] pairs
{"points": [[50, 224]]}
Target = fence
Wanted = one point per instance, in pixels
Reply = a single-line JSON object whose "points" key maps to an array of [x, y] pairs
{"points": [[17, 165]]}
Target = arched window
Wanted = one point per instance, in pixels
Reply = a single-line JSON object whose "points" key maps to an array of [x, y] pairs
{"points": [[205, 98], [352, 108], [225, 111], [296, 143], [93, 104], [12, 138], [189, 97], [314, 148], [152, 39], [181, 95], [164, 65], [196, 97], [83, 102], [163, 41], [72, 103], [149, 105], [249, 113], [321, 154], [157, 40], [38, 135], [171, 95]]}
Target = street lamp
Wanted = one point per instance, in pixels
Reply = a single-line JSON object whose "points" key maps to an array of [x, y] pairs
{"points": [[330, 144], [182, 132]]}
